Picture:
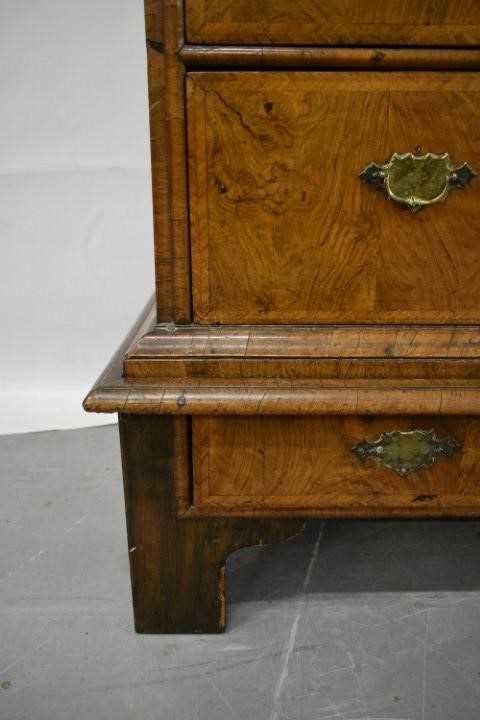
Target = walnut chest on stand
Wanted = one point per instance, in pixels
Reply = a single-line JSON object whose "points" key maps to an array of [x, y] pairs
{"points": [[313, 347]]}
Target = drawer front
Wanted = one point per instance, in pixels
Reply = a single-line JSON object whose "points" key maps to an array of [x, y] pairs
{"points": [[351, 466], [283, 230], [333, 22]]}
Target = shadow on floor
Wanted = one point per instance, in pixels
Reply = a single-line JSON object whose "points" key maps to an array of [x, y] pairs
{"points": [[363, 556]]}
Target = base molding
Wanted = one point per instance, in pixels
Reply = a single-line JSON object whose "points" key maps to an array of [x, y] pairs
{"points": [[171, 369]]}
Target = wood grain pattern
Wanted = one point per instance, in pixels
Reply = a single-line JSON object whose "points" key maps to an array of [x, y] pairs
{"points": [[244, 465], [154, 20], [239, 353], [413, 384], [164, 27], [204, 56], [324, 314], [257, 371], [161, 225], [176, 155], [328, 341], [283, 231], [177, 567], [334, 22], [286, 397]]}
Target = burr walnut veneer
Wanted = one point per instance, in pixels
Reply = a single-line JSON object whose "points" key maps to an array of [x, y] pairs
{"points": [[313, 345]]}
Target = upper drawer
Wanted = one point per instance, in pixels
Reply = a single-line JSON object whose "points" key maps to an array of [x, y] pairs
{"points": [[283, 230], [334, 22]]}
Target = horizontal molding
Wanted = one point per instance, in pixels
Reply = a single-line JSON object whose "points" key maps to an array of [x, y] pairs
{"points": [[339, 341], [281, 396], [205, 56], [321, 398], [301, 369]]}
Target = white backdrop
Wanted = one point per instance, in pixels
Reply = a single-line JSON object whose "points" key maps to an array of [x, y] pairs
{"points": [[76, 257]]}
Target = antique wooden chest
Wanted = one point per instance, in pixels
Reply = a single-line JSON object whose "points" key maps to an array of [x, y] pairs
{"points": [[313, 348]]}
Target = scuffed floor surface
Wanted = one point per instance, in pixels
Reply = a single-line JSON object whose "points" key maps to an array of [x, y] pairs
{"points": [[351, 621]]}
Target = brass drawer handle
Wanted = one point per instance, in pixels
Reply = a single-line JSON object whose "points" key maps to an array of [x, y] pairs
{"points": [[418, 180], [406, 452]]}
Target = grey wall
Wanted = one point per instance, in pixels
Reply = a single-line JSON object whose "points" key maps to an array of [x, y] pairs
{"points": [[76, 258]]}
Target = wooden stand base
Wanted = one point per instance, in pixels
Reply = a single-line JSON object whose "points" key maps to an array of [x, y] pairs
{"points": [[177, 566]]}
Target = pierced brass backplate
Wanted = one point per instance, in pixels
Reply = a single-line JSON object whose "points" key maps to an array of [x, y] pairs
{"points": [[418, 180], [406, 452]]}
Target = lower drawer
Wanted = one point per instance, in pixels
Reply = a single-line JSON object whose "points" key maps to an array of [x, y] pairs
{"points": [[330, 465]]}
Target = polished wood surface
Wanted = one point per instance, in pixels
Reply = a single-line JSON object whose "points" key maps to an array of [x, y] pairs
{"points": [[177, 568], [166, 78], [161, 230], [297, 311], [257, 371], [334, 22], [204, 56], [286, 397], [340, 370], [176, 162], [283, 231], [258, 353], [326, 341], [154, 19], [281, 382], [248, 465]]}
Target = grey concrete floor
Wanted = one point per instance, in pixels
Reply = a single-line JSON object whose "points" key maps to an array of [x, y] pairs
{"points": [[351, 621]]}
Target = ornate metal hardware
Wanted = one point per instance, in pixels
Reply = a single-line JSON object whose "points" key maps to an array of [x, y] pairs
{"points": [[418, 180], [406, 452]]}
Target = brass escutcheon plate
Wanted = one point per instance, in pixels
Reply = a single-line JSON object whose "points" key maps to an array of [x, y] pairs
{"points": [[406, 452], [418, 180]]}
